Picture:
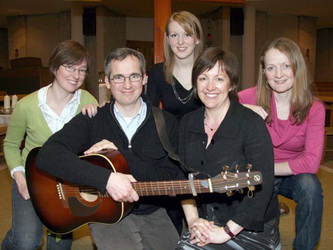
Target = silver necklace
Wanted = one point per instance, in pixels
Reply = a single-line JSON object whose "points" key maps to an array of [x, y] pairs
{"points": [[182, 100]]}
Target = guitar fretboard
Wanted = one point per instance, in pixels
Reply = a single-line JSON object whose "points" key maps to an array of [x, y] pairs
{"points": [[150, 188]]}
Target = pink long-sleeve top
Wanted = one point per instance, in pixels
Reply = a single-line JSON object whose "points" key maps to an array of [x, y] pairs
{"points": [[299, 145]]}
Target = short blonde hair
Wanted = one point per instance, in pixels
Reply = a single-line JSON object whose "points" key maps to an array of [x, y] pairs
{"points": [[191, 24]]}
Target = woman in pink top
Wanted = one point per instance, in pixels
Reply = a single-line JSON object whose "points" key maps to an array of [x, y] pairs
{"points": [[295, 119]]}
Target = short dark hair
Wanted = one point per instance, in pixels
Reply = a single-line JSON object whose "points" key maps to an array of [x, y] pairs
{"points": [[120, 54], [68, 52], [227, 61]]}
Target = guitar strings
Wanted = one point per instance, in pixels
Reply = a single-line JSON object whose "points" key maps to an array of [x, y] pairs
{"points": [[142, 187], [166, 184]]}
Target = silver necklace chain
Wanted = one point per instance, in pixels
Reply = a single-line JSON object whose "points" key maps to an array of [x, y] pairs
{"points": [[182, 100]]}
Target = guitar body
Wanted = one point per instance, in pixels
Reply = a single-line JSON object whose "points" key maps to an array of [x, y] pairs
{"points": [[63, 207]]}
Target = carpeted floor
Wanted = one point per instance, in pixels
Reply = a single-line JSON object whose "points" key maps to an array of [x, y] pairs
{"points": [[83, 241]]}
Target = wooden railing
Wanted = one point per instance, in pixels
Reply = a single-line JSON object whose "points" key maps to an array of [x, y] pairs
{"points": [[324, 88], [324, 91]]}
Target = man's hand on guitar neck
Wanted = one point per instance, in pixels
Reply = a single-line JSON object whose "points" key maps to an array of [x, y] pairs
{"points": [[120, 188]]}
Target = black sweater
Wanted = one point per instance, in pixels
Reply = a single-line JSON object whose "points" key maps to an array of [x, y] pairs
{"points": [[241, 138], [146, 158]]}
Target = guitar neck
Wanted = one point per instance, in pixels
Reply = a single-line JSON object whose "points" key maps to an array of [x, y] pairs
{"points": [[155, 188]]}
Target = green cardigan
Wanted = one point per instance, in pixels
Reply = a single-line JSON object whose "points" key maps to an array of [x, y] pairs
{"points": [[27, 119]]}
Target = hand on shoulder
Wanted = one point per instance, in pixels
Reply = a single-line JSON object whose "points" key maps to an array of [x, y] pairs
{"points": [[258, 109]]}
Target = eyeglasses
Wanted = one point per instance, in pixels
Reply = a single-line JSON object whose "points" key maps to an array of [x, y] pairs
{"points": [[271, 69], [121, 78], [69, 68]]}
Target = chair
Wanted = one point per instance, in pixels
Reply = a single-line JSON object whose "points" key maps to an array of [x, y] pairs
{"points": [[328, 132], [328, 101]]}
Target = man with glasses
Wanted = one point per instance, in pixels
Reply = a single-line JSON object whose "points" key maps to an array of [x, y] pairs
{"points": [[126, 124]]}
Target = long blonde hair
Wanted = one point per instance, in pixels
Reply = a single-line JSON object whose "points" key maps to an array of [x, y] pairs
{"points": [[191, 24], [302, 90]]}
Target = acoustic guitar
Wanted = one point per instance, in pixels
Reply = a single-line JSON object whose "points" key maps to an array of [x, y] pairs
{"points": [[63, 207]]}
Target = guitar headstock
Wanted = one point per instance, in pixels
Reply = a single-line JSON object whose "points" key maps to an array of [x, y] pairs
{"points": [[226, 182]]}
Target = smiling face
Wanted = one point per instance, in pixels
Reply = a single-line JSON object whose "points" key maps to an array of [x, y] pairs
{"points": [[181, 43], [127, 93], [278, 71], [213, 86], [70, 81]]}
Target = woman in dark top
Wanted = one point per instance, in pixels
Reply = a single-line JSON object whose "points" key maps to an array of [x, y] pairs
{"points": [[169, 82], [224, 133]]}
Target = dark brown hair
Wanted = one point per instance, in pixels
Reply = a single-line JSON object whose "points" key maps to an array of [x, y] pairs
{"points": [[227, 61], [68, 52], [120, 54]]}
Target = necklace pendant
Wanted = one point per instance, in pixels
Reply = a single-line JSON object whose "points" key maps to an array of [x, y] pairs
{"points": [[211, 129]]}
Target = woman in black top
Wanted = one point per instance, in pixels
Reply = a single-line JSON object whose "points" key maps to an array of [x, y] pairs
{"points": [[224, 133], [169, 82]]}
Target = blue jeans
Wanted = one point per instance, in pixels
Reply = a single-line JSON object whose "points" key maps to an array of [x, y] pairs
{"points": [[27, 229], [306, 191]]}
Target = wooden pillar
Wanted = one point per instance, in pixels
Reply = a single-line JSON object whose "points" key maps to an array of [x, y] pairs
{"points": [[76, 23], [77, 27], [248, 48], [225, 28], [162, 12]]}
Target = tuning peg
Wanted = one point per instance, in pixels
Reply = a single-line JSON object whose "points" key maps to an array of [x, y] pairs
{"points": [[250, 191], [237, 168], [229, 193], [241, 191], [249, 167]]}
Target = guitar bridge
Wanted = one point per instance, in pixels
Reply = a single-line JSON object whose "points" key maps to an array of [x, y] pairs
{"points": [[60, 191], [61, 195]]}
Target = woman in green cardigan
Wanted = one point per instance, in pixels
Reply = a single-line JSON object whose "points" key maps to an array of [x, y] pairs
{"points": [[35, 118]]}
